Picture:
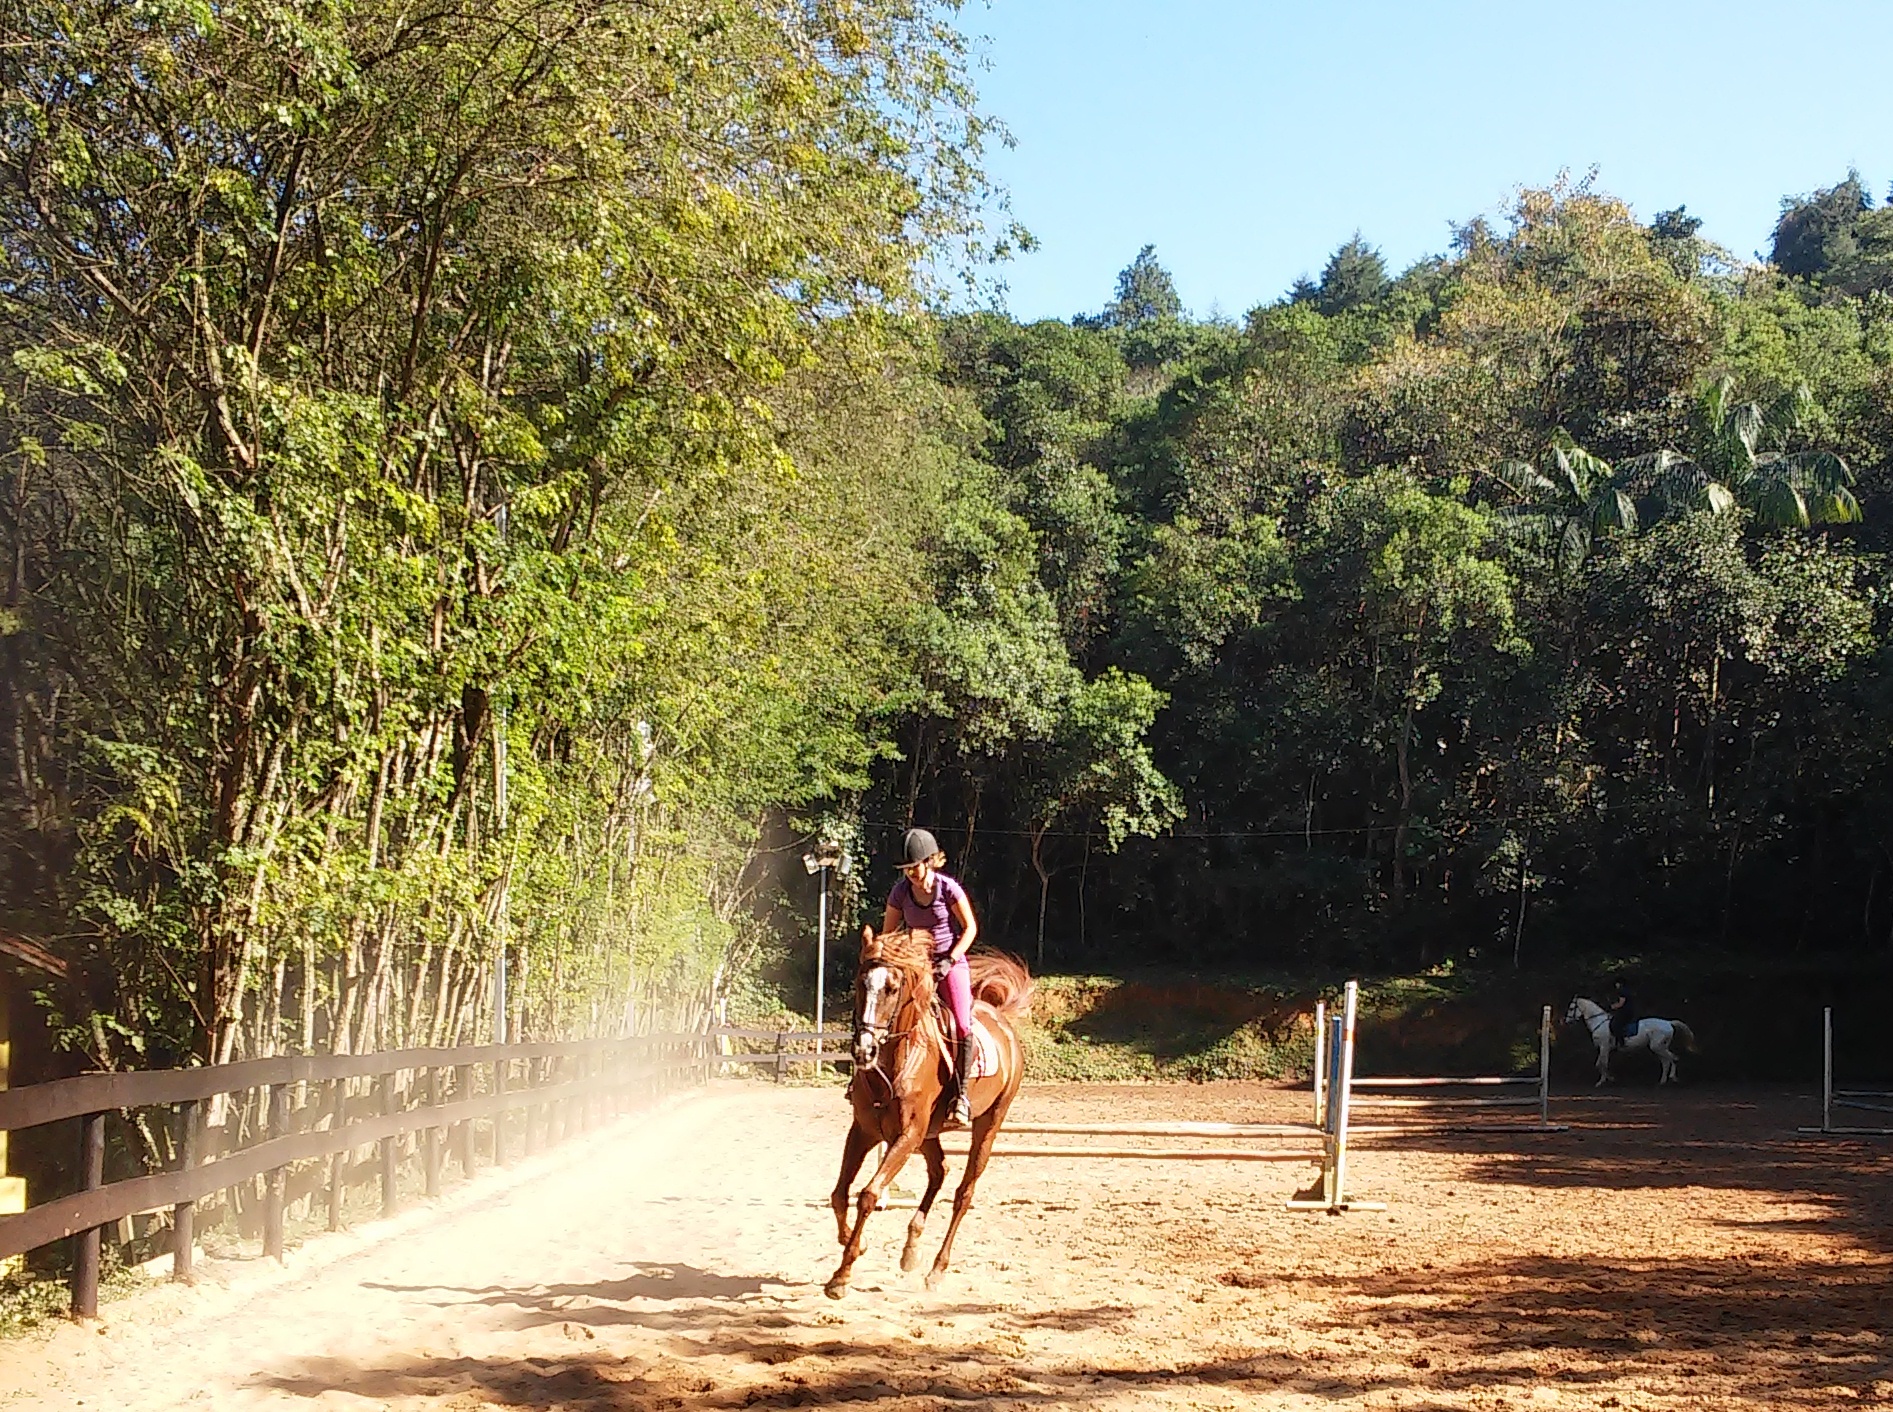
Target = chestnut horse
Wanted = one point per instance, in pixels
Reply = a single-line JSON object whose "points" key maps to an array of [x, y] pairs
{"points": [[902, 1083]]}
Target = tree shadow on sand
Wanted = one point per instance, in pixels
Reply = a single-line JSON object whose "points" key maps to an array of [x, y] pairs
{"points": [[724, 1341], [1728, 1141], [1737, 1329]]}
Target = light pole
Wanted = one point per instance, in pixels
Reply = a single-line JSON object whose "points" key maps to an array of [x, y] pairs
{"points": [[820, 859]]}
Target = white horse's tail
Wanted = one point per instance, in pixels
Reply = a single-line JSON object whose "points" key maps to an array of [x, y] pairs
{"points": [[1686, 1035]]}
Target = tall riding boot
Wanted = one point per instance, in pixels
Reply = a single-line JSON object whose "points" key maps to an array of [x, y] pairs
{"points": [[962, 1115]]}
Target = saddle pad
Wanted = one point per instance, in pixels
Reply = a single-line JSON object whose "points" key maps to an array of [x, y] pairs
{"points": [[985, 1051]]}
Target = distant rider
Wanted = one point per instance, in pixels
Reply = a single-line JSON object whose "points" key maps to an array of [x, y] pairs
{"points": [[1623, 1014], [926, 899]]}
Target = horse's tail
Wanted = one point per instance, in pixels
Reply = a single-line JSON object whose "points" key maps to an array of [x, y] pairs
{"points": [[1001, 980], [1686, 1035]]}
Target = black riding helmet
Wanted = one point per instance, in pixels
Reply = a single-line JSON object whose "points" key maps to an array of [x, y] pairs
{"points": [[920, 847]]}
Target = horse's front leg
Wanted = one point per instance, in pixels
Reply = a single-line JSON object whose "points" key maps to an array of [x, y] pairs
{"points": [[897, 1154], [853, 1152], [1603, 1065], [936, 1178]]}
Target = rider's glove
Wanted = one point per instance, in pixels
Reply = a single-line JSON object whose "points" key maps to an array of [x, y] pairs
{"points": [[941, 965]]}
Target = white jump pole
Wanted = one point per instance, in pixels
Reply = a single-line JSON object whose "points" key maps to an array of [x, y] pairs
{"points": [[1345, 1082], [1827, 1069], [1321, 1063], [1339, 1070], [1544, 1069], [1873, 1100]]}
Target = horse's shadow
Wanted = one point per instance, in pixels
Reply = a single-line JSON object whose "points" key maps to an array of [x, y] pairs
{"points": [[603, 1303]]}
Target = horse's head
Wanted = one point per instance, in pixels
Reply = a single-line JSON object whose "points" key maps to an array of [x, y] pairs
{"points": [[1581, 1009], [891, 971]]}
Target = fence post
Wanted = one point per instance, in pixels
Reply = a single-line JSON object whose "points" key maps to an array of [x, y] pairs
{"points": [[782, 1056], [1544, 1069], [85, 1255], [1827, 1068], [531, 1112], [338, 1164], [184, 1214], [276, 1126], [591, 1070], [463, 1130], [500, 1066], [389, 1104], [430, 1135]]}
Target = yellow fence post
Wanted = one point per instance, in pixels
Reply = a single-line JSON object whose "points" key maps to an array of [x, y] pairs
{"points": [[12, 1189]]}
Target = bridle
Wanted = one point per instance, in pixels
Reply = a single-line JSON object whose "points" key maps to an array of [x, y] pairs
{"points": [[875, 1037]]}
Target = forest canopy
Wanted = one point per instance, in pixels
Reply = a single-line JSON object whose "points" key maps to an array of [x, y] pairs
{"points": [[497, 486]]}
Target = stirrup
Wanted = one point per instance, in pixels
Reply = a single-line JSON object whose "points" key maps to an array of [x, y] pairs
{"points": [[959, 1113]]}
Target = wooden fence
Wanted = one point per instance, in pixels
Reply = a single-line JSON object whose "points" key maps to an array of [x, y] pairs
{"points": [[306, 1108]]}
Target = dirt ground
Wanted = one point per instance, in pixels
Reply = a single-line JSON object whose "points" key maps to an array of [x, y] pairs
{"points": [[1673, 1250]]}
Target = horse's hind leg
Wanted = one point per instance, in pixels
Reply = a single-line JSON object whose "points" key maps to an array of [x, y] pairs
{"points": [[852, 1152], [985, 1132], [1667, 1060], [936, 1178], [896, 1158]]}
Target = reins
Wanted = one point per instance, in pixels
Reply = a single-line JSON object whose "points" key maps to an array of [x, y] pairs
{"points": [[914, 1000]]}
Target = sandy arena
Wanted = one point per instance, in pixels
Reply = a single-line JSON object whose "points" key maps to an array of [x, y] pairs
{"points": [[1675, 1250]]}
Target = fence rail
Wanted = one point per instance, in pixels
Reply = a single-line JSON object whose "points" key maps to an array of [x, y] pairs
{"points": [[571, 1083]]}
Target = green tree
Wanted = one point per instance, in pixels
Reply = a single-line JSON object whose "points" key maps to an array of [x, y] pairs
{"points": [[1354, 276], [1096, 765], [414, 484], [1429, 590], [1816, 232], [1145, 294]]}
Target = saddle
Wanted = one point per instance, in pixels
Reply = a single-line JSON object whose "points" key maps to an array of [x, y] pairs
{"points": [[985, 1047]]}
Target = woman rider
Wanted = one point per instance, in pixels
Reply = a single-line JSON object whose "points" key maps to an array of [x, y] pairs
{"points": [[926, 899], [1623, 1013]]}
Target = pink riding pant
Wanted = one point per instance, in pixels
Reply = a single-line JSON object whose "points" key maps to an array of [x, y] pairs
{"points": [[957, 990]]}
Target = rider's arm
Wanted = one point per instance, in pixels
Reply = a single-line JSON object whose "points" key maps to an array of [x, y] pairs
{"points": [[891, 918], [962, 909]]}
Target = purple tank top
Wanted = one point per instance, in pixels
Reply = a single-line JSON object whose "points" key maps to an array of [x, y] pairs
{"points": [[930, 917]]}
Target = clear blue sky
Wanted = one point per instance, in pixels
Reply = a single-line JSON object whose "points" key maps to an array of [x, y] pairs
{"points": [[1247, 138]]}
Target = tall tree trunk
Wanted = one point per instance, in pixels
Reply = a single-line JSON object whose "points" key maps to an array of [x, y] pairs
{"points": [[1401, 824], [1045, 885], [1709, 730], [1084, 871], [1524, 867]]}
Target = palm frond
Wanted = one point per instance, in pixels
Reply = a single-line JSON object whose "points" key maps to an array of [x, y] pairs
{"points": [[1780, 504], [1613, 512], [1523, 480], [1817, 470]]}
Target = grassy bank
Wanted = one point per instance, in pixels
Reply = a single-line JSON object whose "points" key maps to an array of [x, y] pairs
{"points": [[1755, 1021]]}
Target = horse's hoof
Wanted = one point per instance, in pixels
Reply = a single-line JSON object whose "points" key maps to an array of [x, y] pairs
{"points": [[909, 1261], [934, 1277], [835, 1289]]}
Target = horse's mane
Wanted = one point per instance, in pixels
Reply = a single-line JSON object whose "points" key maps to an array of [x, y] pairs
{"points": [[999, 978], [910, 951]]}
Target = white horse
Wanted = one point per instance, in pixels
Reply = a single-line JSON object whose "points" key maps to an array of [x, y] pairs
{"points": [[1653, 1035]]}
